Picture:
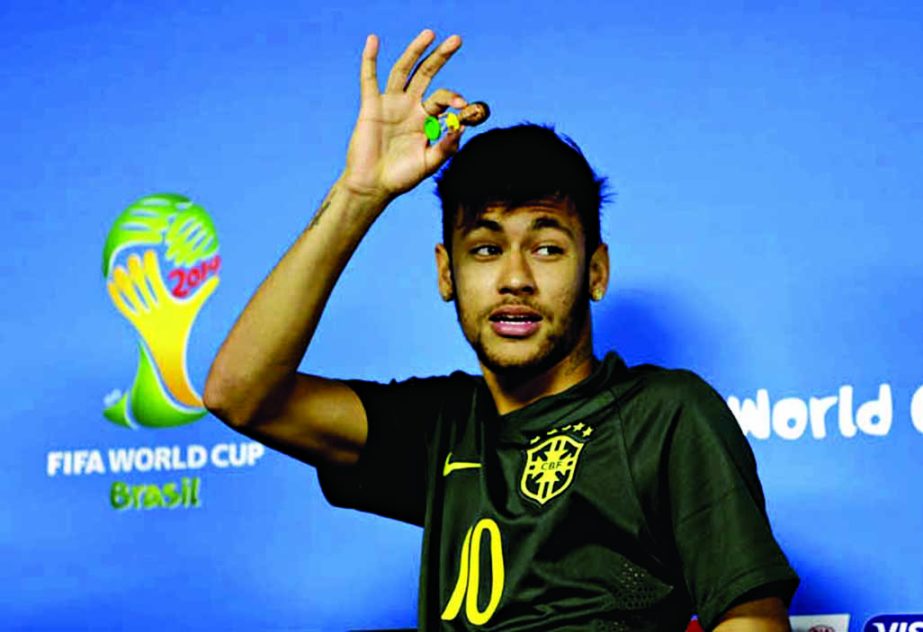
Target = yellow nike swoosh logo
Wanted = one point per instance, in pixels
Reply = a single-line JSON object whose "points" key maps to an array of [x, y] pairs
{"points": [[458, 465]]}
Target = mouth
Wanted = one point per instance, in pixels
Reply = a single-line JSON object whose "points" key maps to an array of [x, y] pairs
{"points": [[515, 321]]}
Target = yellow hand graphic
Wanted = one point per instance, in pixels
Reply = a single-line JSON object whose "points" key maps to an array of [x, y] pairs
{"points": [[162, 320]]}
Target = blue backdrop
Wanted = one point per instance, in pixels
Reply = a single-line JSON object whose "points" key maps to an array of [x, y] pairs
{"points": [[766, 234]]}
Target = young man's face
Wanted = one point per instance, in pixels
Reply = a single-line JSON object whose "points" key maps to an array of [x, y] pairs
{"points": [[521, 280]]}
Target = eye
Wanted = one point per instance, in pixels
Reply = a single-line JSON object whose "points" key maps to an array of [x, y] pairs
{"points": [[485, 250], [549, 250]]}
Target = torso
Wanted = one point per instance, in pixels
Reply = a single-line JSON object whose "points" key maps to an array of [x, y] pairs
{"points": [[533, 522]]}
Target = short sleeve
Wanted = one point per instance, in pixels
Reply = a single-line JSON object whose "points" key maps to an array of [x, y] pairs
{"points": [[721, 530], [389, 478]]}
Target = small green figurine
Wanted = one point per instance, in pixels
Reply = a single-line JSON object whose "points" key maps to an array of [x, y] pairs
{"points": [[472, 114]]}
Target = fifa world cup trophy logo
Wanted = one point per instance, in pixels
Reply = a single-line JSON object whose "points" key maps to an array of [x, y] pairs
{"points": [[156, 233]]}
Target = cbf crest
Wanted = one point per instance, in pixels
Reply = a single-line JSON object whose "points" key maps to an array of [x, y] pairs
{"points": [[552, 462]]}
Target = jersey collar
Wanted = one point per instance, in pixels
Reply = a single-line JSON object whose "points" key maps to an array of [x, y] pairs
{"points": [[579, 400]]}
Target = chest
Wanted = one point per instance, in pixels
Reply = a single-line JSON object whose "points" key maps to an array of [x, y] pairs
{"points": [[535, 478], [546, 519]]}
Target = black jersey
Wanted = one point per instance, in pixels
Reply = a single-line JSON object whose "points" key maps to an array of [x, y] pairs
{"points": [[628, 502]]}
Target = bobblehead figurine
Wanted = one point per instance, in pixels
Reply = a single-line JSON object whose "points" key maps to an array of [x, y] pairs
{"points": [[472, 114]]}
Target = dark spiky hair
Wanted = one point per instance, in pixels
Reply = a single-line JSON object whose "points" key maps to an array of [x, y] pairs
{"points": [[514, 166]]}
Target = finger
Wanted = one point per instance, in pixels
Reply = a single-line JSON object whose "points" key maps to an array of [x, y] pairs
{"points": [[137, 278], [437, 154], [127, 290], [368, 73], [204, 292], [441, 100], [152, 271], [431, 65], [404, 65], [119, 302]]}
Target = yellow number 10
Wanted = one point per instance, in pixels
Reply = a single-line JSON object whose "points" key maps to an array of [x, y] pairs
{"points": [[469, 574]]}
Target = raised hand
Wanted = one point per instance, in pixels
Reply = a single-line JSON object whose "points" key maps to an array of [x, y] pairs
{"points": [[388, 152], [162, 320]]}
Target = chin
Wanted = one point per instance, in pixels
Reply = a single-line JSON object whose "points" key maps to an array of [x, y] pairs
{"points": [[517, 356]]}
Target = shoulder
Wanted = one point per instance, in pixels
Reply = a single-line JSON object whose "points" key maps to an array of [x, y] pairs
{"points": [[666, 403], [455, 380], [664, 389], [415, 391]]}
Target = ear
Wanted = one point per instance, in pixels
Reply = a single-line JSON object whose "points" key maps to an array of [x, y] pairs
{"points": [[444, 273], [598, 271]]}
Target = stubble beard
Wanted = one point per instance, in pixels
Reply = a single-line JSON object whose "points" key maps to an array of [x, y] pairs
{"points": [[553, 347]]}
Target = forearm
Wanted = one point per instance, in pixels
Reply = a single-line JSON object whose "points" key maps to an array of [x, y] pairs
{"points": [[257, 362], [254, 375], [761, 615]]}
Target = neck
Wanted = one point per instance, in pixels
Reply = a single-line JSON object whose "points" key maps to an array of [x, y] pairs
{"points": [[516, 389]]}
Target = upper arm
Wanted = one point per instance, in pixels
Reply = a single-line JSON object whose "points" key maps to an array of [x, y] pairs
{"points": [[367, 439], [721, 531], [316, 420], [391, 474], [761, 615]]}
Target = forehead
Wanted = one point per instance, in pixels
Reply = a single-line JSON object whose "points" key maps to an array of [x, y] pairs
{"points": [[506, 217]]}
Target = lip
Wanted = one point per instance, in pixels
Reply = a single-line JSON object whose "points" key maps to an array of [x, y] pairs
{"points": [[515, 329], [514, 310]]}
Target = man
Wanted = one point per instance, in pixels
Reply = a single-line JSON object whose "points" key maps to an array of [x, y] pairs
{"points": [[556, 492]]}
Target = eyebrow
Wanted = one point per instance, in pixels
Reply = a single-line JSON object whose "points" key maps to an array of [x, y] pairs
{"points": [[486, 224], [550, 222], [538, 223]]}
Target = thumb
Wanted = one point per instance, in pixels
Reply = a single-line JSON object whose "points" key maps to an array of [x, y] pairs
{"points": [[204, 292], [437, 154]]}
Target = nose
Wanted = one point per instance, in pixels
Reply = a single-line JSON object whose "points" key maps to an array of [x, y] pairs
{"points": [[516, 275]]}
